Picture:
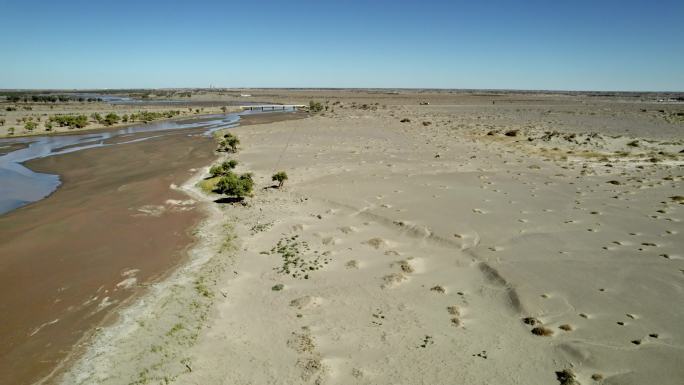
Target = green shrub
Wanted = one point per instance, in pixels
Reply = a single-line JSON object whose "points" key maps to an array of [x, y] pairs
{"points": [[223, 168], [71, 121], [229, 143], [234, 185], [111, 119], [280, 177], [30, 126], [315, 106]]}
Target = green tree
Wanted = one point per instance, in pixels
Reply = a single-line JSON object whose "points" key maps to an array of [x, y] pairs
{"points": [[234, 185], [229, 143], [111, 119], [223, 168], [96, 117], [30, 126], [280, 177]]}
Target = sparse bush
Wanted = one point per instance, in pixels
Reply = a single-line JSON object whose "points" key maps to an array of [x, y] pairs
{"points": [[223, 168], [71, 121], [315, 107], [96, 117], [405, 120], [30, 126], [48, 126], [229, 143], [10, 131], [111, 119], [280, 177], [2, 122]]}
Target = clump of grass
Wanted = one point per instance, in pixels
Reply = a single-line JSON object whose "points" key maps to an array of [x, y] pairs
{"points": [[453, 310], [291, 250], [565, 327], [208, 185], [531, 321], [438, 289], [678, 199], [566, 377], [542, 331], [259, 227], [406, 267]]}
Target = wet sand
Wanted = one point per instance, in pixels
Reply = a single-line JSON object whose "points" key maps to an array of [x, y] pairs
{"points": [[112, 227]]}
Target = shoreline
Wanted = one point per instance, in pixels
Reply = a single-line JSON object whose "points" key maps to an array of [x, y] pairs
{"points": [[117, 126]]}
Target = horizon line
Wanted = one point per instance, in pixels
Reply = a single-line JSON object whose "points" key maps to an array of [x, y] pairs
{"points": [[351, 88]]}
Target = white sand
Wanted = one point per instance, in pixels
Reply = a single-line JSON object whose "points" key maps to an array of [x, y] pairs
{"points": [[421, 250]]}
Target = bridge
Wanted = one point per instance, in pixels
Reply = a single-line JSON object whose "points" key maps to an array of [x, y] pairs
{"points": [[273, 107]]}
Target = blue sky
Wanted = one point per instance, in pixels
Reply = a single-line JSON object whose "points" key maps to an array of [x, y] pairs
{"points": [[567, 45]]}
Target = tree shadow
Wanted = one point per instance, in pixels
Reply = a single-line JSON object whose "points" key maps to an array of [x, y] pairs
{"points": [[274, 186], [230, 200]]}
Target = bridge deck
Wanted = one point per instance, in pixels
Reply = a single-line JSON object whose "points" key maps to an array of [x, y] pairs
{"points": [[273, 107]]}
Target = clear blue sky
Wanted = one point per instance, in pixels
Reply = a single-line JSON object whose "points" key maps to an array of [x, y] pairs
{"points": [[515, 44]]}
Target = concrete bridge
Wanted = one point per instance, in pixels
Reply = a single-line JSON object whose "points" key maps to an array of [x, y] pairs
{"points": [[273, 107]]}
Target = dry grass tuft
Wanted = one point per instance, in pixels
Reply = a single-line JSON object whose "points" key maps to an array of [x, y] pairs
{"points": [[542, 331]]}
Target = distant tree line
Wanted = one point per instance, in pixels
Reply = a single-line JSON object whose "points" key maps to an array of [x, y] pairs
{"points": [[16, 98]]}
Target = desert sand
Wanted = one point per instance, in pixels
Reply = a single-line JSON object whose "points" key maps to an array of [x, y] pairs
{"points": [[516, 239]]}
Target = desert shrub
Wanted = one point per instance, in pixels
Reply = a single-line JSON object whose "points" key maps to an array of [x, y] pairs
{"points": [[110, 119], [223, 168], [71, 121], [96, 117], [10, 131], [30, 126], [2, 122], [315, 106], [280, 177], [148, 116], [229, 143]]}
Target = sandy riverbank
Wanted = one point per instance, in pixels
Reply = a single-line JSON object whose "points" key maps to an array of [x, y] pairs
{"points": [[468, 245]]}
